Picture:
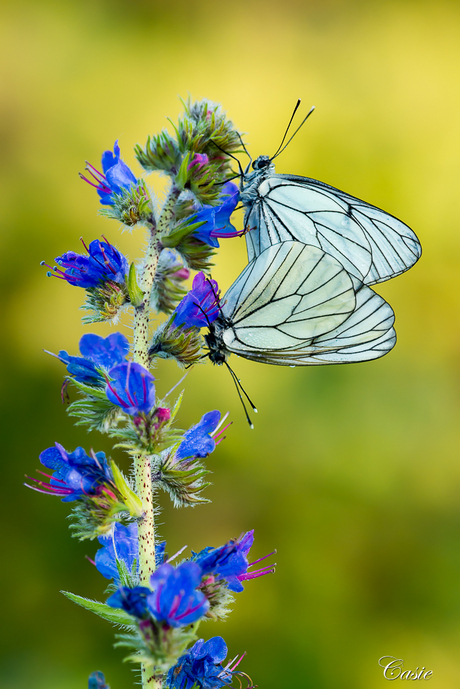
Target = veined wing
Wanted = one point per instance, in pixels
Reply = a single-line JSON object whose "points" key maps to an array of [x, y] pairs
{"points": [[371, 244], [366, 334], [289, 295]]}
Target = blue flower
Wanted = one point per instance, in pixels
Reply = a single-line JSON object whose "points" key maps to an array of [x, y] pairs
{"points": [[175, 600], [131, 387], [103, 263], [121, 544], [197, 440], [230, 563], [97, 353], [201, 666], [217, 218], [97, 681], [200, 306], [133, 601], [117, 176], [75, 473]]}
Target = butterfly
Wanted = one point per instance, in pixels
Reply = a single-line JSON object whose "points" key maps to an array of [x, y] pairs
{"points": [[372, 245], [296, 305]]}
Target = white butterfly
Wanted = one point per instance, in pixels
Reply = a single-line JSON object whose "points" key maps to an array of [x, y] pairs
{"points": [[370, 244], [294, 304]]}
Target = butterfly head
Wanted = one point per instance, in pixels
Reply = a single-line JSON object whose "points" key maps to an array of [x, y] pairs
{"points": [[261, 163]]}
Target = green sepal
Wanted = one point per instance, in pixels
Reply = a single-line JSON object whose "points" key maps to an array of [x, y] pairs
{"points": [[182, 176], [99, 393], [131, 500], [165, 650], [136, 295], [113, 615], [171, 241]]}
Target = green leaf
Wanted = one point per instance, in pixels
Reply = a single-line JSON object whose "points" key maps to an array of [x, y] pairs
{"points": [[113, 615], [136, 295]]}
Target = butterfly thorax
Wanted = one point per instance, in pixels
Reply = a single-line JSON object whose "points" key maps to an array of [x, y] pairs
{"points": [[251, 181], [215, 342]]}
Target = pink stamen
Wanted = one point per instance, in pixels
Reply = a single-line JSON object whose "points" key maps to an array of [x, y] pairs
{"points": [[237, 663], [144, 387], [90, 560], [190, 611], [132, 402], [176, 604], [106, 260], [216, 435], [122, 402], [262, 558], [254, 575]]}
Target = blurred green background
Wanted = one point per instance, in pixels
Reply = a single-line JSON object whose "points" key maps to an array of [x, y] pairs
{"points": [[352, 472]]}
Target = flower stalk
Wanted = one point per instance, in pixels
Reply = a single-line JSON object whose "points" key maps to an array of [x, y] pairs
{"points": [[142, 462]]}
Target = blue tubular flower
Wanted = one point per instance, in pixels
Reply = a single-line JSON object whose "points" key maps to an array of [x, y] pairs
{"points": [[116, 176], [97, 353], [217, 218], [197, 440], [121, 544], [102, 264], [201, 666], [200, 306], [175, 600], [133, 601], [97, 681], [75, 473], [131, 387], [230, 562]]}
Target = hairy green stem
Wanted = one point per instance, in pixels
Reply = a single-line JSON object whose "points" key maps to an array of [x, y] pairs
{"points": [[142, 471]]}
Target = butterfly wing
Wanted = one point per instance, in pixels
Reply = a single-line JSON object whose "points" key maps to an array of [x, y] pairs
{"points": [[371, 244], [295, 305]]}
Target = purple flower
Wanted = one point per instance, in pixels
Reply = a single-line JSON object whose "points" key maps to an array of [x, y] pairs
{"points": [[133, 601], [199, 160], [103, 263], [175, 600], [131, 387], [198, 441], [230, 562], [200, 306], [97, 353], [120, 544], [202, 667], [75, 473], [117, 176], [217, 218]]}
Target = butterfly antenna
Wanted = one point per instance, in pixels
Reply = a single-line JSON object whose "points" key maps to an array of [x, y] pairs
{"points": [[287, 128], [230, 155], [238, 388], [244, 148], [280, 150]]}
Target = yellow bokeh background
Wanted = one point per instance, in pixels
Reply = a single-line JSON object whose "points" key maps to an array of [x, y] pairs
{"points": [[351, 472]]}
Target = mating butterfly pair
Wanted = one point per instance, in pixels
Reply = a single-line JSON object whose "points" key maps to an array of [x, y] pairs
{"points": [[304, 297]]}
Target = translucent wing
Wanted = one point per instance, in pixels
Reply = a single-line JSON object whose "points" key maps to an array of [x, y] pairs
{"points": [[279, 311], [371, 244], [289, 294]]}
